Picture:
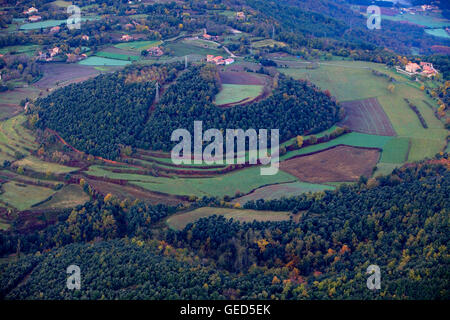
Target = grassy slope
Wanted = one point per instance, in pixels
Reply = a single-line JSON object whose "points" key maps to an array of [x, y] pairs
{"points": [[179, 221], [231, 93], [348, 80], [23, 197], [38, 165], [68, 197]]}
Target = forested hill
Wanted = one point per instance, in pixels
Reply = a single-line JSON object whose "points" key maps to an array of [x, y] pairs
{"points": [[99, 115], [399, 222], [299, 20]]}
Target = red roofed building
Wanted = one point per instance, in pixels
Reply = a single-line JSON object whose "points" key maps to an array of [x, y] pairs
{"points": [[412, 67], [155, 51], [31, 10], [427, 69], [34, 18], [55, 29], [126, 37], [228, 61]]}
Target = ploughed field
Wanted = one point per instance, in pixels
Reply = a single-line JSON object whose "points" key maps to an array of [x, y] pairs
{"points": [[341, 163], [367, 116]]}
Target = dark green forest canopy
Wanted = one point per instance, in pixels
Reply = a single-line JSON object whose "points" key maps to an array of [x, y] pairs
{"points": [[99, 115], [399, 223]]}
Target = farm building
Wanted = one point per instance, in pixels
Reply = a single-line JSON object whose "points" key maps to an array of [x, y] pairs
{"points": [[412, 67], [155, 51], [54, 51], [48, 55], [427, 69], [31, 10], [228, 61], [126, 37], [34, 18], [55, 29], [210, 37], [240, 15], [219, 60]]}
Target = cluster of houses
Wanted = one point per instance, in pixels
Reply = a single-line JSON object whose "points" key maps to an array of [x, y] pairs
{"points": [[155, 51], [32, 13], [219, 60], [418, 9], [49, 54], [240, 15], [425, 69], [210, 37]]}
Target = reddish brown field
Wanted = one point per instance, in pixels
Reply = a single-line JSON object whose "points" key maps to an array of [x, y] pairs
{"points": [[131, 192], [367, 116], [241, 78], [341, 163], [63, 74]]}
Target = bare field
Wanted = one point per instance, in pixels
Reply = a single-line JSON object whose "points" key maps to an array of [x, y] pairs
{"points": [[229, 77], [64, 73], [341, 163], [367, 116], [131, 192]]}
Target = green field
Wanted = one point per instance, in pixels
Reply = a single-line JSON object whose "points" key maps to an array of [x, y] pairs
{"points": [[49, 23], [100, 61], [232, 93], [201, 43], [283, 190], [38, 165], [438, 33], [68, 197], [14, 138], [28, 49], [395, 150], [179, 221], [61, 3], [181, 49], [4, 225], [42, 24], [138, 45], [21, 196], [354, 139], [423, 20], [268, 43], [244, 181], [117, 56]]}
